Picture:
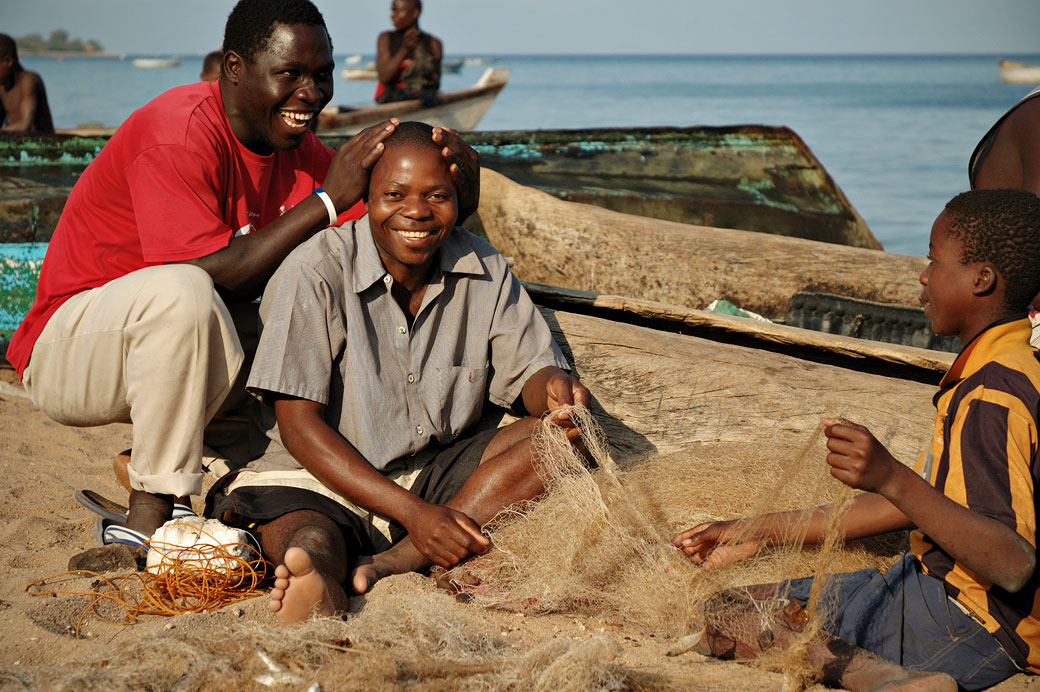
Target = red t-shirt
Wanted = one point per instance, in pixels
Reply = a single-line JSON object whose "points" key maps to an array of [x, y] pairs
{"points": [[172, 184]]}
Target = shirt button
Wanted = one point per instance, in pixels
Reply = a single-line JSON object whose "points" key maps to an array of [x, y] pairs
{"points": [[411, 378], [387, 279], [418, 429], [402, 329]]}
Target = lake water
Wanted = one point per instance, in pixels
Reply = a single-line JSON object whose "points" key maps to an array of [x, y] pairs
{"points": [[895, 132]]}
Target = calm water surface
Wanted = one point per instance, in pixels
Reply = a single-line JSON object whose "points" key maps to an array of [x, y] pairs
{"points": [[895, 132]]}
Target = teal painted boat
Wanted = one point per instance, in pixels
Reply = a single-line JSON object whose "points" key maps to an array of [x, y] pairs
{"points": [[19, 270], [750, 177]]}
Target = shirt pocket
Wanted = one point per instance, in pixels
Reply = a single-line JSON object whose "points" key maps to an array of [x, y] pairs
{"points": [[464, 391]]}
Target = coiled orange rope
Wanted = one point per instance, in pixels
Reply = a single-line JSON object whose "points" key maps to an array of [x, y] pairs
{"points": [[202, 578]]}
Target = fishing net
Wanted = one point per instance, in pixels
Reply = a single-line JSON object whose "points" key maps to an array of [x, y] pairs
{"points": [[598, 544], [585, 589]]}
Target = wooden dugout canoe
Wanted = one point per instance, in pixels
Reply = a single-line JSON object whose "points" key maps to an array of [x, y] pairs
{"points": [[748, 177], [751, 177], [662, 392], [460, 110], [588, 248]]}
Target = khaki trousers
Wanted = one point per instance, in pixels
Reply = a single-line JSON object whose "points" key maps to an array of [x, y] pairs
{"points": [[157, 348]]}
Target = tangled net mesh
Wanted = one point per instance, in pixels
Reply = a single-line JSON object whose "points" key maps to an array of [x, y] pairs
{"points": [[598, 542], [596, 546]]}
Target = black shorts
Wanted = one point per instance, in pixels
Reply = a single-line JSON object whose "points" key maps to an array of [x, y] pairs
{"points": [[439, 481]]}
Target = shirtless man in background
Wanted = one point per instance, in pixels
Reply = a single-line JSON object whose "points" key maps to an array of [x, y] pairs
{"points": [[22, 94]]}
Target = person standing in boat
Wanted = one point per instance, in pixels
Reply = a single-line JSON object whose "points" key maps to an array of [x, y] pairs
{"points": [[144, 309], [408, 60], [23, 99]]}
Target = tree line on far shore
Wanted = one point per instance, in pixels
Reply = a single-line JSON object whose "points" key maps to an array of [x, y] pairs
{"points": [[58, 41]]}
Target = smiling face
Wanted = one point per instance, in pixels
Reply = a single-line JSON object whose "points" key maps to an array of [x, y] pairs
{"points": [[412, 208], [274, 97], [949, 284]]}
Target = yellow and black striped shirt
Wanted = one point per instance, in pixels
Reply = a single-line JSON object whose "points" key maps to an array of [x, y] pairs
{"points": [[983, 455]]}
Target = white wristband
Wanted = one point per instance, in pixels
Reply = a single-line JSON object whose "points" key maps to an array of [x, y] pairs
{"points": [[328, 205]]}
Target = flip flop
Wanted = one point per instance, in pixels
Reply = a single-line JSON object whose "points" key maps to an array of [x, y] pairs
{"points": [[107, 532], [115, 512], [99, 504]]}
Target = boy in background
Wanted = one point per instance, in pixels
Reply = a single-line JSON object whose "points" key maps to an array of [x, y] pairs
{"points": [[963, 602], [380, 342]]}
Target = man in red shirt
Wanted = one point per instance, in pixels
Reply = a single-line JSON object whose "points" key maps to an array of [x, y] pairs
{"points": [[174, 229]]}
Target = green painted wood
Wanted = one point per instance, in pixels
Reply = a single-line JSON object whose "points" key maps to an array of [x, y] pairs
{"points": [[750, 177]]}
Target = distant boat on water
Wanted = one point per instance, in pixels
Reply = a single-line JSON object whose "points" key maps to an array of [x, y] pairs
{"points": [[1014, 72], [368, 71], [460, 110], [156, 62]]}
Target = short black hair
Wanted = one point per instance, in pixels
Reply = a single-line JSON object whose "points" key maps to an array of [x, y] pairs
{"points": [[1001, 227], [412, 132], [8, 47], [251, 22]]}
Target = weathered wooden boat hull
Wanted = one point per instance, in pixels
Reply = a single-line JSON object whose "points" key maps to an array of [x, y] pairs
{"points": [[460, 110], [751, 177], [661, 392], [864, 355], [370, 73], [588, 248], [36, 174]]}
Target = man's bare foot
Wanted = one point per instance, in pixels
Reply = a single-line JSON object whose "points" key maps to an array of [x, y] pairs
{"points": [[301, 592], [399, 559], [368, 571], [147, 512]]}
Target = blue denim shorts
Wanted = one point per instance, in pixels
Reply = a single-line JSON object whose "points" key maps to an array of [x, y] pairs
{"points": [[905, 616]]}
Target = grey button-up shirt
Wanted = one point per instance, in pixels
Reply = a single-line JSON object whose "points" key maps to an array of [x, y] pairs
{"points": [[332, 333]]}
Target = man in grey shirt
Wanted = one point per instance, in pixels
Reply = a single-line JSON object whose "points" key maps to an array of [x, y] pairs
{"points": [[380, 342]]}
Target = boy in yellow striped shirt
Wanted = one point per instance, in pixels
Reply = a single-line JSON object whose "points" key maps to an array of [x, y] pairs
{"points": [[962, 604]]}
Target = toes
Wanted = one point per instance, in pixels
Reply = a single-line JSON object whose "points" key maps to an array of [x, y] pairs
{"points": [[298, 562]]}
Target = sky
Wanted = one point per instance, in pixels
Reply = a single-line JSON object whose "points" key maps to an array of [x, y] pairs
{"points": [[483, 27]]}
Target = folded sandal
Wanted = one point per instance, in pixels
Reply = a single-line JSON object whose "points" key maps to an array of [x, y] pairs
{"points": [[106, 532], [115, 512]]}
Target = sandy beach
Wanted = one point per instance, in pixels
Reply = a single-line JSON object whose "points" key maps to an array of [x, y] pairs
{"points": [[405, 634]]}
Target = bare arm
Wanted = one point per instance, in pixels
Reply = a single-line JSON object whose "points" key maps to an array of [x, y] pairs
{"points": [[1025, 126], [715, 544], [982, 544], [437, 53], [245, 265], [443, 535], [551, 388], [388, 64], [22, 117]]}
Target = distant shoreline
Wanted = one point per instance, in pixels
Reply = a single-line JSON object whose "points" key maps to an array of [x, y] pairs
{"points": [[62, 54]]}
